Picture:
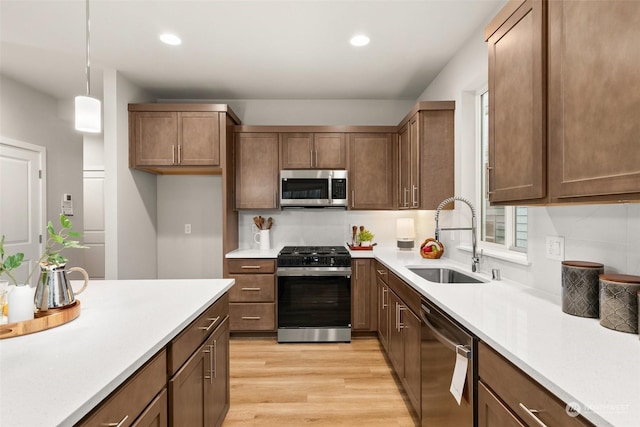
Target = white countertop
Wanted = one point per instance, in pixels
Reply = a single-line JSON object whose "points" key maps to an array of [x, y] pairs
{"points": [[55, 377], [573, 357]]}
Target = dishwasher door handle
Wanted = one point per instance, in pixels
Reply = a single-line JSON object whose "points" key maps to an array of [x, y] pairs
{"points": [[462, 349]]}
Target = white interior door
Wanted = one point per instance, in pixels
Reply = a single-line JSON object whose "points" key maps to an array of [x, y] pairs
{"points": [[22, 202], [94, 222]]}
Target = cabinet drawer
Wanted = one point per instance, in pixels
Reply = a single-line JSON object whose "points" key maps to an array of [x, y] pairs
{"points": [[252, 317], [156, 414], [406, 293], [130, 399], [518, 391], [181, 347], [253, 288], [251, 266], [382, 272]]}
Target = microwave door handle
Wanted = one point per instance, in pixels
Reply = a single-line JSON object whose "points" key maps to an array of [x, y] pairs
{"points": [[464, 350]]}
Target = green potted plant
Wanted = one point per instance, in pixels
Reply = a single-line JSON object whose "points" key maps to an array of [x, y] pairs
{"points": [[56, 243], [21, 298], [365, 237]]}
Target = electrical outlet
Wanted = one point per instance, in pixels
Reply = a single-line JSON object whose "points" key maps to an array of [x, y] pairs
{"points": [[187, 229], [554, 247]]}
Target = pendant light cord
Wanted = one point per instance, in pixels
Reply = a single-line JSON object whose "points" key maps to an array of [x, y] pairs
{"points": [[88, 69]]}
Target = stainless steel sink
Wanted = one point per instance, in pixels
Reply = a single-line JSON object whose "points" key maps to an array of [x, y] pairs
{"points": [[444, 275]]}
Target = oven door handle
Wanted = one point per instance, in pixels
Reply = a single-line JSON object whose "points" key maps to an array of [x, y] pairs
{"points": [[320, 272], [463, 350]]}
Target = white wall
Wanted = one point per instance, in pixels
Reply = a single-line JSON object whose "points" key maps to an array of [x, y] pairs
{"points": [[324, 112], [31, 116], [194, 200], [609, 234], [130, 195]]}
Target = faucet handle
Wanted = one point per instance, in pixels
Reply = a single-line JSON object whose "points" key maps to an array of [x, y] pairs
{"points": [[495, 274]]}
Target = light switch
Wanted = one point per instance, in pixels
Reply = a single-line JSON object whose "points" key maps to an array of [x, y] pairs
{"points": [[554, 247], [187, 229]]}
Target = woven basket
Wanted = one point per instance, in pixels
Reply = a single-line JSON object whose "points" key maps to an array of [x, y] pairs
{"points": [[431, 255]]}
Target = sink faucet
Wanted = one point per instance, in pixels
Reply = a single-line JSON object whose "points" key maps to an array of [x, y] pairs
{"points": [[475, 260]]}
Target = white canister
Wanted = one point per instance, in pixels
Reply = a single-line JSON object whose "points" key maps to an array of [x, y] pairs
{"points": [[20, 300], [262, 238]]}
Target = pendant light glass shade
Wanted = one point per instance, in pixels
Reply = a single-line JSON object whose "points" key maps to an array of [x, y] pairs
{"points": [[88, 114]]}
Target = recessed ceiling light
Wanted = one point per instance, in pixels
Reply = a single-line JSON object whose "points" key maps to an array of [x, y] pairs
{"points": [[170, 39], [359, 40]]}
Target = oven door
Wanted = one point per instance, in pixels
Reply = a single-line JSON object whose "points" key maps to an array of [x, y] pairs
{"points": [[314, 308]]}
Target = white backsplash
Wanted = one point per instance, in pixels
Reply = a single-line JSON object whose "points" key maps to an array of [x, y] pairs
{"points": [[318, 227], [605, 233]]}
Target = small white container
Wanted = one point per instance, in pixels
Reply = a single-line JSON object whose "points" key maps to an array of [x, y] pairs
{"points": [[20, 300]]}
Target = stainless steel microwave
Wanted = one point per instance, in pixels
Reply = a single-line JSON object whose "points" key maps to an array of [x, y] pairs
{"points": [[313, 188]]}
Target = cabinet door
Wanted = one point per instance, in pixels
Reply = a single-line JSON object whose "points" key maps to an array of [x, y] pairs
{"points": [[492, 412], [155, 136], [594, 100], [404, 168], [296, 150], [329, 151], [383, 314], [412, 358], [156, 413], [199, 143], [414, 164], [396, 346], [217, 379], [372, 170], [436, 147], [256, 170], [187, 390], [517, 142], [363, 295]]}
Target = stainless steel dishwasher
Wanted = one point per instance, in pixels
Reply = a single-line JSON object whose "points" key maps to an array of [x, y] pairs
{"points": [[442, 340]]}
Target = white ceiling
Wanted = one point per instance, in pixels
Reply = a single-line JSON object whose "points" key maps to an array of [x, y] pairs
{"points": [[239, 49]]}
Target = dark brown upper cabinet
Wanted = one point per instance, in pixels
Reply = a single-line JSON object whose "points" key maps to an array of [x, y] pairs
{"points": [[313, 151]]}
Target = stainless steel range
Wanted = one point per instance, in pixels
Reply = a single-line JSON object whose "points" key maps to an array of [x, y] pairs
{"points": [[314, 294]]}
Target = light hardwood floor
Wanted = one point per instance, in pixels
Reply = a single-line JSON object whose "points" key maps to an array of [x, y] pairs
{"points": [[324, 384]]}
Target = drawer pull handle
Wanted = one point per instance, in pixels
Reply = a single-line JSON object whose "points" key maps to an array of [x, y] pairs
{"points": [[213, 321], [381, 272], [116, 424], [384, 292], [532, 413], [250, 289], [251, 317], [250, 267], [214, 368]]}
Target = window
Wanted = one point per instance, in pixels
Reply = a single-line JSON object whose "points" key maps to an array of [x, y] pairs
{"points": [[502, 228]]}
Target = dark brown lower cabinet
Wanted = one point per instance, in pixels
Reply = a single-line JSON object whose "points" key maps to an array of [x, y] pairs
{"points": [[156, 413], [199, 391], [383, 314], [364, 313], [509, 397], [404, 339], [492, 412]]}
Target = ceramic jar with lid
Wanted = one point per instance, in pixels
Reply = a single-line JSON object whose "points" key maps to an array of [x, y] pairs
{"points": [[619, 302], [580, 288]]}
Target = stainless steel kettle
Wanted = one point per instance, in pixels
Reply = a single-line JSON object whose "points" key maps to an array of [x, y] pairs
{"points": [[53, 290]]}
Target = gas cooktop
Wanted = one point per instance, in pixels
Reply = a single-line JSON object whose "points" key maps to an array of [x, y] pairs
{"points": [[316, 256]]}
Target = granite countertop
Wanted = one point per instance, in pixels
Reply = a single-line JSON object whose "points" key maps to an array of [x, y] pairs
{"points": [[575, 358], [55, 377]]}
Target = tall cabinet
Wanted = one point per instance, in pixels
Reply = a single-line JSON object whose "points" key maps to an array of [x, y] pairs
{"points": [[594, 100], [517, 167], [372, 170], [564, 102], [426, 155]]}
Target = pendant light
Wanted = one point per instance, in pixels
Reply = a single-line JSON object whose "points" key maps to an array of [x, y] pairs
{"points": [[88, 109]]}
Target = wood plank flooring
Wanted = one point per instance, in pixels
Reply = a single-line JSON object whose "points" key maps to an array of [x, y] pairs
{"points": [[323, 384]]}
